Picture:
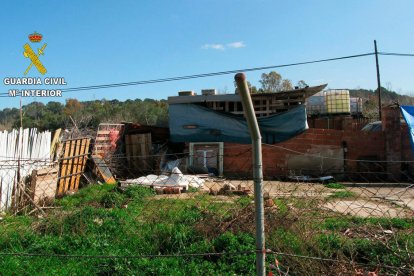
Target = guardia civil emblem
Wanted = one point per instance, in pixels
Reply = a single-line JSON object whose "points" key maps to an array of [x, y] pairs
{"points": [[32, 56]]}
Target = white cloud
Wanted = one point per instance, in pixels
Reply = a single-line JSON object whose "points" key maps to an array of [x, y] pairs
{"points": [[237, 44], [222, 47], [214, 46]]}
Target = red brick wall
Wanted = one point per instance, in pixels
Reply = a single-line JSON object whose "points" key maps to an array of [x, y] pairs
{"points": [[390, 144], [340, 122], [237, 158], [407, 149]]}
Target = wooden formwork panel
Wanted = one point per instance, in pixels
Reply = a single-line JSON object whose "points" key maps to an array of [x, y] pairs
{"points": [[138, 151], [72, 164], [103, 169]]}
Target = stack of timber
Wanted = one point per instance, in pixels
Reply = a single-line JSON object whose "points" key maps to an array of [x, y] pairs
{"points": [[107, 138], [107, 151]]}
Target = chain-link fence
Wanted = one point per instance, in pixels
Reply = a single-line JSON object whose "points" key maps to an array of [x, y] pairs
{"points": [[192, 212]]}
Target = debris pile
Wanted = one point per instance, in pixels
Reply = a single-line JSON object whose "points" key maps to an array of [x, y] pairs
{"points": [[177, 180]]}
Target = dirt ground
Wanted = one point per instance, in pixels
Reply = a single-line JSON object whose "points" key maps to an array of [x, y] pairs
{"points": [[356, 201]]}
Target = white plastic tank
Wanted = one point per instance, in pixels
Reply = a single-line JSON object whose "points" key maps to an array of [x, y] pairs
{"points": [[316, 105], [356, 106], [337, 101]]}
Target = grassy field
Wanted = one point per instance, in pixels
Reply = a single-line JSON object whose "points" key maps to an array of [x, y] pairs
{"points": [[103, 220]]}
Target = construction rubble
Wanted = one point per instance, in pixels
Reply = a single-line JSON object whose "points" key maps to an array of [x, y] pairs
{"points": [[176, 180]]}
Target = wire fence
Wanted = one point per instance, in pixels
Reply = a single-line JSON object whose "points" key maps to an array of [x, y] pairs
{"points": [[336, 203], [193, 212]]}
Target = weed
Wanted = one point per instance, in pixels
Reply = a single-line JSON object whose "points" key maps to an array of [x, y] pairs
{"points": [[85, 196], [334, 186], [282, 207], [112, 200], [192, 189], [343, 194]]}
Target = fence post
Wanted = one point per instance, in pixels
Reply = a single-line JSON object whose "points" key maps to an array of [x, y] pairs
{"points": [[378, 80], [257, 170]]}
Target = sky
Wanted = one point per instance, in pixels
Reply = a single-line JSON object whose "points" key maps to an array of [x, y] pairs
{"points": [[104, 42]]}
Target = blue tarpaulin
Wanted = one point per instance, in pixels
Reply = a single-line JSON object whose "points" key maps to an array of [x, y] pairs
{"points": [[408, 114], [196, 123]]}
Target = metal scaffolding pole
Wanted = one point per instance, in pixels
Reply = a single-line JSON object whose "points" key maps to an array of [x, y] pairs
{"points": [[257, 171]]}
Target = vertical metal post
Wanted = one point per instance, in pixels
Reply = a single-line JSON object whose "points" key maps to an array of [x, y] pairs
{"points": [[378, 80], [21, 111], [17, 185], [257, 171]]}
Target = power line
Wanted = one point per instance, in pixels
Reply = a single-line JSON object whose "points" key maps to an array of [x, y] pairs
{"points": [[210, 74], [204, 75], [395, 54]]}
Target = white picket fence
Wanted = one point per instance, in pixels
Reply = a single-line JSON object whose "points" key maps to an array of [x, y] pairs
{"points": [[21, 151]]}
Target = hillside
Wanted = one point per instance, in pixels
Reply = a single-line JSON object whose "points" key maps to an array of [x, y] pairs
{"points": [[370, 99]]}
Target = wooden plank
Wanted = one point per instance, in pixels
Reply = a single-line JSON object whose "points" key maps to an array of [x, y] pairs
{"points": [[103, 141], [135, 150], [138, 149], [44, 184], [148, 147], [76, 164], [70, 164], [103, 138], [103, 146], [55, 143], [103, 132], [142, 152], [128, 149], [48, 170], [103, 169], [33, 181], [63, 168], [79, 163], [82, 160]]}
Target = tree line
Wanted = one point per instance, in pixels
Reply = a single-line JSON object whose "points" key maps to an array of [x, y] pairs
{"points": [[89, 114]]}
